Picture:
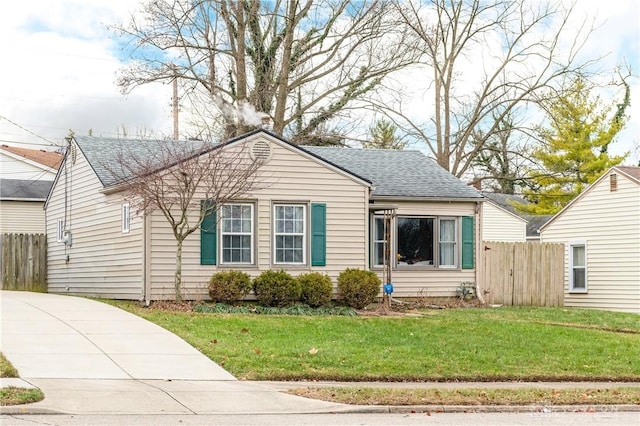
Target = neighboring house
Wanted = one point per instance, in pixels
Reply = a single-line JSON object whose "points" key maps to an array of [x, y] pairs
{"points": [[503, 222], [26, 175], [601, 232], [337, 197]]}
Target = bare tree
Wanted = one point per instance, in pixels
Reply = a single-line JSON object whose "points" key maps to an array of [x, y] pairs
{"points": [[506, 52], [185, 181], [301, 63], [501, 163]]}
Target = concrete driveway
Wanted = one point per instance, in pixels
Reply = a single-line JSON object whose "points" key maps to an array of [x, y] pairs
{"points": [[91, 358]]}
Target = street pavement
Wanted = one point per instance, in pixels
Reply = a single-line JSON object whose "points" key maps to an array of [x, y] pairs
{"points": [[90, 358]]}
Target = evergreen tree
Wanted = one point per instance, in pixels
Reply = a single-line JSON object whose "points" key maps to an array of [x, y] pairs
{"points": [[382, 135], [574, 151]]}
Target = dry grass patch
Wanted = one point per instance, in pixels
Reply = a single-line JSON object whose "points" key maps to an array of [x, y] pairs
{"points": [[385, 396]]}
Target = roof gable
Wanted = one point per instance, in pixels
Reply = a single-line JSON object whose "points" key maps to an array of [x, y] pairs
{"points": [[393, 173], [630, 172], [48, 159]]}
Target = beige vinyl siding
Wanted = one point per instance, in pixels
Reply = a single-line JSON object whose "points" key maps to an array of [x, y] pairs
{"points": [[500, 225], [288, 177], [22, 217], [609, 223], [103, 261], [14, 168], [431, 282]]}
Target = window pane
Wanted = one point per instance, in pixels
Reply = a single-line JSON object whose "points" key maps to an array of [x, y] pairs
{"points": [[578, 256], [447, 254], [379, 229], [289, 234], [415, 241], [236, 233], [579, 278], [447, 230]]}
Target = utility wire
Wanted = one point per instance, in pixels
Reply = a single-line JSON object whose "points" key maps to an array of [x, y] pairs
{"points": [[27, 130]]}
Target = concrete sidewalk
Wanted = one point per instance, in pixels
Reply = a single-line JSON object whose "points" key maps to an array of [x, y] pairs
{"points": [[91, 358]]}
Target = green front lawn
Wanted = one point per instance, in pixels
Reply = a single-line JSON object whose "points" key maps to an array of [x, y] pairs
{"points": [[457, 344]]}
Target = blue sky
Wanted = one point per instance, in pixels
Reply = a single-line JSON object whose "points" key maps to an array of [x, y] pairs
{"points": [[60, 64]]}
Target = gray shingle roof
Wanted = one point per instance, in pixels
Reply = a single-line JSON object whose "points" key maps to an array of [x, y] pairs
{"points": [[393, 173], [18, 189], [103, 153], [398, 173]]}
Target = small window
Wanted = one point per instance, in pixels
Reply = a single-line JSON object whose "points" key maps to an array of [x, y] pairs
{"points": [[613, 182], [447, 243], [289, 234], [578, 267], [126, 218], [236, 228], [378, 241], [60, 235]]}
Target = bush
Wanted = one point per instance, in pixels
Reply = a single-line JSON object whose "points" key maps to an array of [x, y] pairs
{"points": [[316, 289], [276, 289], [358, 288], [229, 286]]}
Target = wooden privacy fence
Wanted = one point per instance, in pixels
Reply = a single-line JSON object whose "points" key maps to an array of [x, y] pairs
{"points": [[24, 262], [523, 274]]}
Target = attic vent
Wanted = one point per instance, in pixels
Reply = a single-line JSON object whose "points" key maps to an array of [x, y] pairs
{"points": [[613, 182], [260, 151]]}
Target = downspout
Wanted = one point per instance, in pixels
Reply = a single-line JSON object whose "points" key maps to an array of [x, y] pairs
{"points": [[479, 254], [146, 259]]}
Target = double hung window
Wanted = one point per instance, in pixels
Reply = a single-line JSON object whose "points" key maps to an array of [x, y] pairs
{"points": [[289, 234], [577, 267], [236, 229]]}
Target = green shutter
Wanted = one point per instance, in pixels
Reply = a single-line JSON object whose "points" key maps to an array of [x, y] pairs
{"points": [[208, 238], [318, 234], [468, 233]]}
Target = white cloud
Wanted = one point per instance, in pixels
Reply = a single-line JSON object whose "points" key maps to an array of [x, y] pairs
{"points": [[60, 64]]}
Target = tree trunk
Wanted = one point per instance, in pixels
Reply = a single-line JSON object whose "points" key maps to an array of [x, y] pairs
{"points": [[178, 275]]}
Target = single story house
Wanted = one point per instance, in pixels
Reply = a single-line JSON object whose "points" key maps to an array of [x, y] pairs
{"points": [[320, 209], [26, 175], [504, 222], [601, 232]]}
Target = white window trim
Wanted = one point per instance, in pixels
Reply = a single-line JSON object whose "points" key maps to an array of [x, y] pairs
{"points": [[436, 242], [456, 242], [222, 234], [305, 231], [126, 218], [60, 231], [570, 269]]}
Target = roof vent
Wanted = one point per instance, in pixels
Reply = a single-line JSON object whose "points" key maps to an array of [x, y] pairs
{"points": [[260, 151], [613, 182]]}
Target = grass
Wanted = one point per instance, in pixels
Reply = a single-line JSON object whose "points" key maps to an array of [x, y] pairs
{"points": [[6, 369], [12, 395], [539, 344], [377, 396]]}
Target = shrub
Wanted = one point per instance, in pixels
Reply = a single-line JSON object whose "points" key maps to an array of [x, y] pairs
{"points": [[358, 288], [316, 289], [276, 289], [229, 286]]}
